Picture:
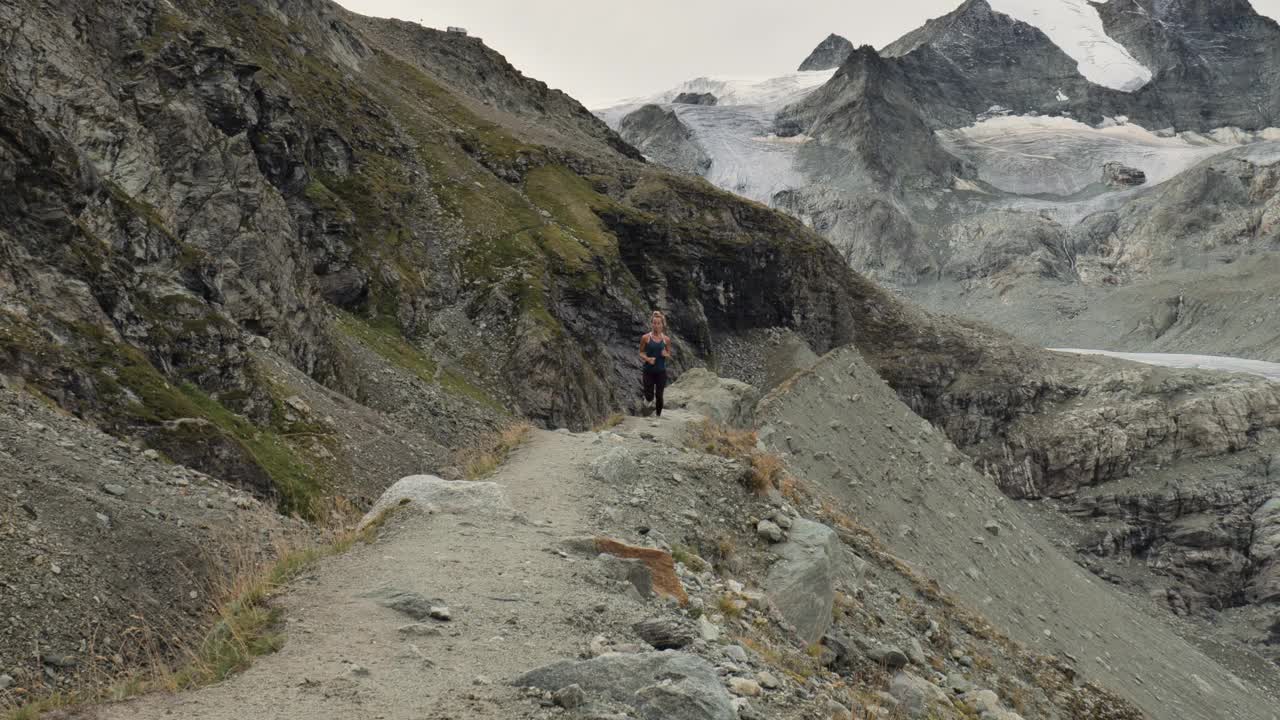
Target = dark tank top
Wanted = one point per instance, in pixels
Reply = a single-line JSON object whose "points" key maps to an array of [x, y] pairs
{"points": [[654, 349]]}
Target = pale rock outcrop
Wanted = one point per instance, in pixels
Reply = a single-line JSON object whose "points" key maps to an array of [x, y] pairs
{"points": [[723, 400]]}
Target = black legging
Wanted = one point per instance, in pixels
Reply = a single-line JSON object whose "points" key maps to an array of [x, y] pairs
{"points": [[654, 384]]}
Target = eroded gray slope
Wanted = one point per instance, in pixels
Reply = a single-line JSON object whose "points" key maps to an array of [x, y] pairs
{"points": [[845, 429]]}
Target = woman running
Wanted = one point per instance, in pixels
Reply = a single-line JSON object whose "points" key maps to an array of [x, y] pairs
{"points": [[655, 348]]}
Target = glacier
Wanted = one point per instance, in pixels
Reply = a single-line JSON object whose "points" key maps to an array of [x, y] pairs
{"points": [[1076, 28], [735, 132]]}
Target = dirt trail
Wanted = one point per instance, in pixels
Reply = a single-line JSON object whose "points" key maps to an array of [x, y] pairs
{"points": [[516, 604]]}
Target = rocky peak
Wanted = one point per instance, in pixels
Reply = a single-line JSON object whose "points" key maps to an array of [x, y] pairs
{"points": [[870, 110], [692, 98], [829, 54]]}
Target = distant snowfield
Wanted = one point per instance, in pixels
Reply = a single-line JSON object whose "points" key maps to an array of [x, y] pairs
{"points": [[766, 91], [1033, 155], [1268, 370], [1076, 27]]}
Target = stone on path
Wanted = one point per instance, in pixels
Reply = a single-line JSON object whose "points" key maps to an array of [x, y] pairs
{"points": [[412, 604], [669, 685], [455, 497]]}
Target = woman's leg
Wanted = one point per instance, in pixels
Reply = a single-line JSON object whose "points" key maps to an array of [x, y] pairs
{"points": [[660, 384], [646, 381]]}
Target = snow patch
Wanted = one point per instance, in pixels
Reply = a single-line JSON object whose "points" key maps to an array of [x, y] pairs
{"points": [[1076, 27], [771, 92], [1062, 97], [1041, 154]]}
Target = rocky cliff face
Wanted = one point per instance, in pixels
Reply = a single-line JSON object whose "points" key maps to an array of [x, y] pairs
{"points": [[661, 136], [189, 190]]}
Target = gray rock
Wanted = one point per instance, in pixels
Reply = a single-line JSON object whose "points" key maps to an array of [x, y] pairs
{"points": [[616, 467], [629, 570], [455, 497], [958, 684], [419, 629], [744, 687], [62, 662], [440, 612], [1117, 174], [570, 696], [916, 696], [916, 653], [708, 630], [836, 710], [1265, 549], [802, 583], [767, 680], [113, 489], [667, 633], [657, 686], [889, 658], [992, 527], [6, 681], [698, 390], [769, 530], [737, 654], [412, 604]]}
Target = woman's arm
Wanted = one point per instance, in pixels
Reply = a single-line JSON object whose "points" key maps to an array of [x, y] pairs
{"points": [[666, 346]]}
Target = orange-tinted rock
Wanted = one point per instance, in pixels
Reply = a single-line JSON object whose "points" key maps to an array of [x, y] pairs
{"points": [[659, 562]]}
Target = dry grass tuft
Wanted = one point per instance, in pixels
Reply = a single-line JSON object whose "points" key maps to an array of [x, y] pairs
{"points": [[767, 471], [243, 623], [688, 557], [610, 422], [491, 450]]}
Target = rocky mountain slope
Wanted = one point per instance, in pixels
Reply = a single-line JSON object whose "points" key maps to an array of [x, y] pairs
{"points": [[304, 253]]}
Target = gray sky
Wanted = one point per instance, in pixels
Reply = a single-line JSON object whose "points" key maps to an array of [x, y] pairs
{"points": [[604, 51]]}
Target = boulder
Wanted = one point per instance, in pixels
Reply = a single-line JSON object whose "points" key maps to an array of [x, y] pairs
{"points": [[657, 686], [801, 584], [457, 497], [666, 633], [615, 467], [916, 696], [730, 402], [1117, 174]]}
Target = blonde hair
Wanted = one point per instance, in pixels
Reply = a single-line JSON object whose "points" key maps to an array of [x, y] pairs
{"points": [[658, 314]]}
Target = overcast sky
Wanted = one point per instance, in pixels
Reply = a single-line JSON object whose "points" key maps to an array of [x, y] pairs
{"points": [[599, 52]]}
